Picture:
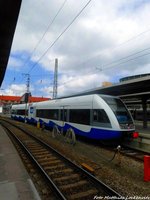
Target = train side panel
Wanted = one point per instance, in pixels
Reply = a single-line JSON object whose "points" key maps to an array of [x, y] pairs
{"points": [[89, 116]]}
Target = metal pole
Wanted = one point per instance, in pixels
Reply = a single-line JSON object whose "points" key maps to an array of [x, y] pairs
{"points": [[144, 105], [27, 94], [55, 79]]}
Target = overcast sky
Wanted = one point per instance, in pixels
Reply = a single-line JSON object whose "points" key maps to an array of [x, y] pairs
{"points": [[109, 40]]}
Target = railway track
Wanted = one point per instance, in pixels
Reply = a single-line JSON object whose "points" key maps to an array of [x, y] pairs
{"points": [[65, 178], [121, 150], [133, 153]]}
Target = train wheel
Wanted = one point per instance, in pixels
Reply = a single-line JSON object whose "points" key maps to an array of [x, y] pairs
{"points": [[70, 136], [55, 131]]}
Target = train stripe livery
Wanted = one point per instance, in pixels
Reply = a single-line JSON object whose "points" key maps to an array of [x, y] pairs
{"points": [[99, 117]]}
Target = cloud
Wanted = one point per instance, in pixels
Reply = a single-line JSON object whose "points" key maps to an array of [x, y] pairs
{"points": [[15, 90], [73, 85], [14, 63], [100, 37]]}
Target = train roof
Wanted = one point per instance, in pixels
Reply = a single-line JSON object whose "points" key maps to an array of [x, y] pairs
{"points": [[84, 98], [79, 97]]}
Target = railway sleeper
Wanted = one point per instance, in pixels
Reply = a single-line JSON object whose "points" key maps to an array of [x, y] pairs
{"points": [[42, 151], [34, 144], [36, 176], [32, 170], [29, 165], [47, 159], [50, 162], [25, 138], [34, 151], [68, 178], [78, 186], [89, 194], [72, 186], [35, 147], [58, 173], [45, 191], [55, 167], [42, 154]]}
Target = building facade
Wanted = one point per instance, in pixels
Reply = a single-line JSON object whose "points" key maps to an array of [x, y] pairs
{"points": [[7, 101]]}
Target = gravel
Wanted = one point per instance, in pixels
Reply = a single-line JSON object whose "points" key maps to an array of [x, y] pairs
{"points": [[123, 174]]}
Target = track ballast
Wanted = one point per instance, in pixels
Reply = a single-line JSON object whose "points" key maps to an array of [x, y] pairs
{"points": [[68, 180]]}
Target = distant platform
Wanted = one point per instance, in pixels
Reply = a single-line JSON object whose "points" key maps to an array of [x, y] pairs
{"points": [[139, 127], [142, 143], [15, 183]]}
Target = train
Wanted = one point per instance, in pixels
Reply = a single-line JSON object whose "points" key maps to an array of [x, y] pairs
{"points": [[97, 117]]}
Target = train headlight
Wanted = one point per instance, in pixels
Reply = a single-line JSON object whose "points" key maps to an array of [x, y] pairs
{"points": [[135, 135], [127, 126]]}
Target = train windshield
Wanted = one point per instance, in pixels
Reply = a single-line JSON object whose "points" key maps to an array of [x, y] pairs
{"points": [[119, 109]]}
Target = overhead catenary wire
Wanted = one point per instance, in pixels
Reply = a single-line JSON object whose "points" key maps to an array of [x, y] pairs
{"points": [[121, 44], [130, 55], [48, 27], [109, 64], [114, 63], [79, 13], [38, 43], [69, 25], [133, 38], [129, 60]]}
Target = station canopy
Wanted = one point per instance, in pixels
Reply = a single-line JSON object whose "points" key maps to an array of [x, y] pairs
{"points": [[136, 87], [9, 11]]}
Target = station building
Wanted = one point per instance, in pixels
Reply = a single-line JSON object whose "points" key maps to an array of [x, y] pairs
{"points": [[7, 101]]}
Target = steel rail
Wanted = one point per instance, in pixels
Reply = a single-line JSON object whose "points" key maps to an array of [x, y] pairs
{"points": [[58, 192], [109, 191]]}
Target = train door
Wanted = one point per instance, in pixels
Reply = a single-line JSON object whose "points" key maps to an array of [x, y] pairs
{"points": [[32, 111], [64, 115]]}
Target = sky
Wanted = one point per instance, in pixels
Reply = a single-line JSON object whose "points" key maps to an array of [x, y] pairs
{"points": [[94, 41]]}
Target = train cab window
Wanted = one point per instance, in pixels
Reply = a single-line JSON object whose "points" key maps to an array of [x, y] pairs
{"points": [[119, 109], [100, 118]]}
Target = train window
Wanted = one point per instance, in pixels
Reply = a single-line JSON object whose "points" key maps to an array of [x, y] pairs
{"points": [[13, 111], [100, 118], [80, 116], [61, 115], [21, 112], [65, 115], [47, 113], [55, 114]]}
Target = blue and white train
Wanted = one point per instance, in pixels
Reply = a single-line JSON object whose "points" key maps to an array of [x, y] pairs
{"points": [[99, 117]]}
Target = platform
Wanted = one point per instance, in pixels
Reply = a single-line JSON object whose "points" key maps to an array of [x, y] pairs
{"points": [[142, 143], [15, 183]]}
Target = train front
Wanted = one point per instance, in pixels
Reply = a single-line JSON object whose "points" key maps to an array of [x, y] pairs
{"points": [[123, 116]]}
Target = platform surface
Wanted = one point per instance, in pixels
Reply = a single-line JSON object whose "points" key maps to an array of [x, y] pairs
{"points": [[15, 183]]}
